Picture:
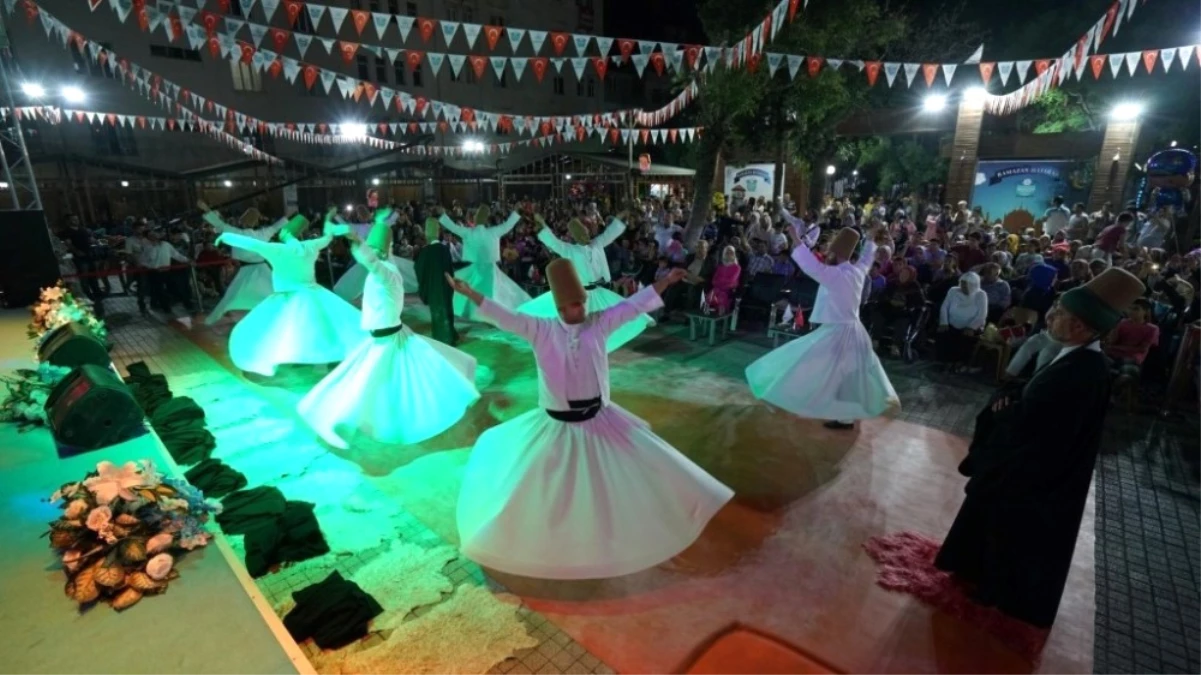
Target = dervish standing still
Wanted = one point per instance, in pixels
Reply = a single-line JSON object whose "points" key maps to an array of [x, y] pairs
{"points": [[580, 489], [432, 264]]}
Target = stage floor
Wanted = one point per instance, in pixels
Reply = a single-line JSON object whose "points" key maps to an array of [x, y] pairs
{"points": [[784, 558]]}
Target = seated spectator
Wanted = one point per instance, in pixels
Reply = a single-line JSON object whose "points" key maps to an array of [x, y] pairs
{"points": [[1080, 276], [1059, 260], [1040, 348], [997, 290], [897, 307], [783, 265], [725, 282], [1130, 342], [1040, 290], [759, 260], [970, 254], [960, 320]]}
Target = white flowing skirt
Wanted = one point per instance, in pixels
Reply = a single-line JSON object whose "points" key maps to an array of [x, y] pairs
{"points": [[599, 299], [350, 284], [590, 500], [310, 325], [829, 374], [250, 286], [394, 390], [492, 283]]}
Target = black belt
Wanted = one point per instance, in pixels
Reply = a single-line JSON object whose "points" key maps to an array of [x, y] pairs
{"points": [[599, 284], [385, 332], [581, 411], [248, 264]]}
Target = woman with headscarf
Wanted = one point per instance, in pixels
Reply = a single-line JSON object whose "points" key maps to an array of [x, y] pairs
{"points": [[725, 282], [962, 317], [897, 306]]}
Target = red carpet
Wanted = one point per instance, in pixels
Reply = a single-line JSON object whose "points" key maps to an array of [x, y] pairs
{"points": [[906, 562]]}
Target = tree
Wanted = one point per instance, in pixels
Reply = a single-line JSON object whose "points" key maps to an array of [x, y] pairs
{"points": [[892, 162], [1058, 110]]}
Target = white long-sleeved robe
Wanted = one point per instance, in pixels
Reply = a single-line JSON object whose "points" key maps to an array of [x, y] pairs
{"points": [[481, 248], [252, 284], [598, 498]]}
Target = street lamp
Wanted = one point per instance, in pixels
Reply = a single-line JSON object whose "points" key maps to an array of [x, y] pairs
{"points": [[73, 94], [568, 176], [934, 103], [473, 146], [124, 183], [830, 170], [975, 96], [33, 89], [352, 130], [228, 183], [1126, 112], [375, 181]]}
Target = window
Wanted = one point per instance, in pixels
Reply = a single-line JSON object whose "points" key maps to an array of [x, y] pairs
{"points": [[579, 87], [411, 8], [111, 140], [610, 87], [174, 53], [361, 60], [85, 64], [303, 23], [417, 77], [559, 84], [503, 82], [399, 71], [452, 13], [591, 88], [245, 77], [235, 9], [468, 13], [356, 4], [374, 5], [497, 20], [381, 70], [394, 8]]}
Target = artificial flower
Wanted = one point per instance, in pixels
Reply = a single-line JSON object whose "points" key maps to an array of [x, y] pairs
{"points": [[100, 518], [159, 566], [71, 560], [159, 542], [195, 541], [76, 509], [64, 491], [113, 481], [151, 478]]}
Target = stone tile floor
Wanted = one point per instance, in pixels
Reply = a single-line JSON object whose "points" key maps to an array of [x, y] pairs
{"points": [[1148, 507]]}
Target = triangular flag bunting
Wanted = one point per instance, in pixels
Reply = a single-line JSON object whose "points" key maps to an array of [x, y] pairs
{"points": [[338, 14], [435, 60], [1132, 61], [948, 71], [1149, 58], [449, 28], [873, 72], [405, 24], [794, 64], [498, 66], [456, 63], [579, 64], [1004, 68], [1115, 64], [1023, 70], [1167, 55], [537, 37], [581, 43], [976, 56], [515, 35], [519, 64], [911, 72], [891, 70], [1186, 55], [986, 70]]}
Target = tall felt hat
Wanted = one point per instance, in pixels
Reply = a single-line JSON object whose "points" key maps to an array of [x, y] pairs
{"points": [[1100, 302], [296, 226], [380, 236], [844, 243], [432, 229], [250, 218], [579, 231], [565, 283], [482, 214]]}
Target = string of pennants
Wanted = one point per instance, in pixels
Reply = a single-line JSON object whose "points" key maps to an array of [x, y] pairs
{"points": [[332, 134], [404, 103], [1054, 72], [177, 17]]}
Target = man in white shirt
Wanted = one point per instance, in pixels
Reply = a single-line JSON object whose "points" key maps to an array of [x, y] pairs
{"points": [[1077, 228], [154, 257], [1056, 217]]}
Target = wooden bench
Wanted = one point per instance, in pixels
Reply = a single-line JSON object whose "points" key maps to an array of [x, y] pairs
{"points": [[784, 331], [709, 323]]}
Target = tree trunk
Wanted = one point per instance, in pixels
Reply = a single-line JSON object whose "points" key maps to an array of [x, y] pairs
{"points": [[702, 187], [781, 158]]}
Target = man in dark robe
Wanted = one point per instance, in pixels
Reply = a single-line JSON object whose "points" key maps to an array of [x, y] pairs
{"points": [[432, 265], [1030, 463]]}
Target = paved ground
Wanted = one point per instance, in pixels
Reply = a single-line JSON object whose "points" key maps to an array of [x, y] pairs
{"points": [[1147, 534]]}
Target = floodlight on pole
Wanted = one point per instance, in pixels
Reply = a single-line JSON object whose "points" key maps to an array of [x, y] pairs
{"points": [[33, 89], [975, 96], [229, 183], [73, 94], [1173, 144], [349, 208], [124, 183], [830, 170], [934, 103], [568, 176], [1126, 112], [473, 146], [375, 181]]}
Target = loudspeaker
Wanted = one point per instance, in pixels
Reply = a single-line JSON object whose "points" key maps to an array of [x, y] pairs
{"points": [[92, 408], [73, 345], [27, 260]]}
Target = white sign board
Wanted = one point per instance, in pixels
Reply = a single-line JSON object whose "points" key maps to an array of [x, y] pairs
{"points": [[750, 182]]}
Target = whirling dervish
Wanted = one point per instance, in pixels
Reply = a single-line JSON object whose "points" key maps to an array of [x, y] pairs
{"points": [[481, 248], [252, 284], [350, 285], [396, 387], [581, 489], [832, 373], [301, 322], [587, 255]]}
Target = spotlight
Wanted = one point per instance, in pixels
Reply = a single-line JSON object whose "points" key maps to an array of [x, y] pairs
{"points": [[855, 172], [1126, 112], [975, 95], [375, 181], [228, 183], [934, 103], [33, 89], [568, 176], [473, 146], [73, 94], [349, 208], [1173, 144], [3, 185], [353, 130], [124, 183], [830, 170]]}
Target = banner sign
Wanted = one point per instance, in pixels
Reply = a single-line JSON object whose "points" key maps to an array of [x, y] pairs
{"points": [[1019, 192], [751, 181]]}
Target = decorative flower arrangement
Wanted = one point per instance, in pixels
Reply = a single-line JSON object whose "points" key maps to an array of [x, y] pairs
{"points": [[58, 307], [121, 530], [27, 394]]}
